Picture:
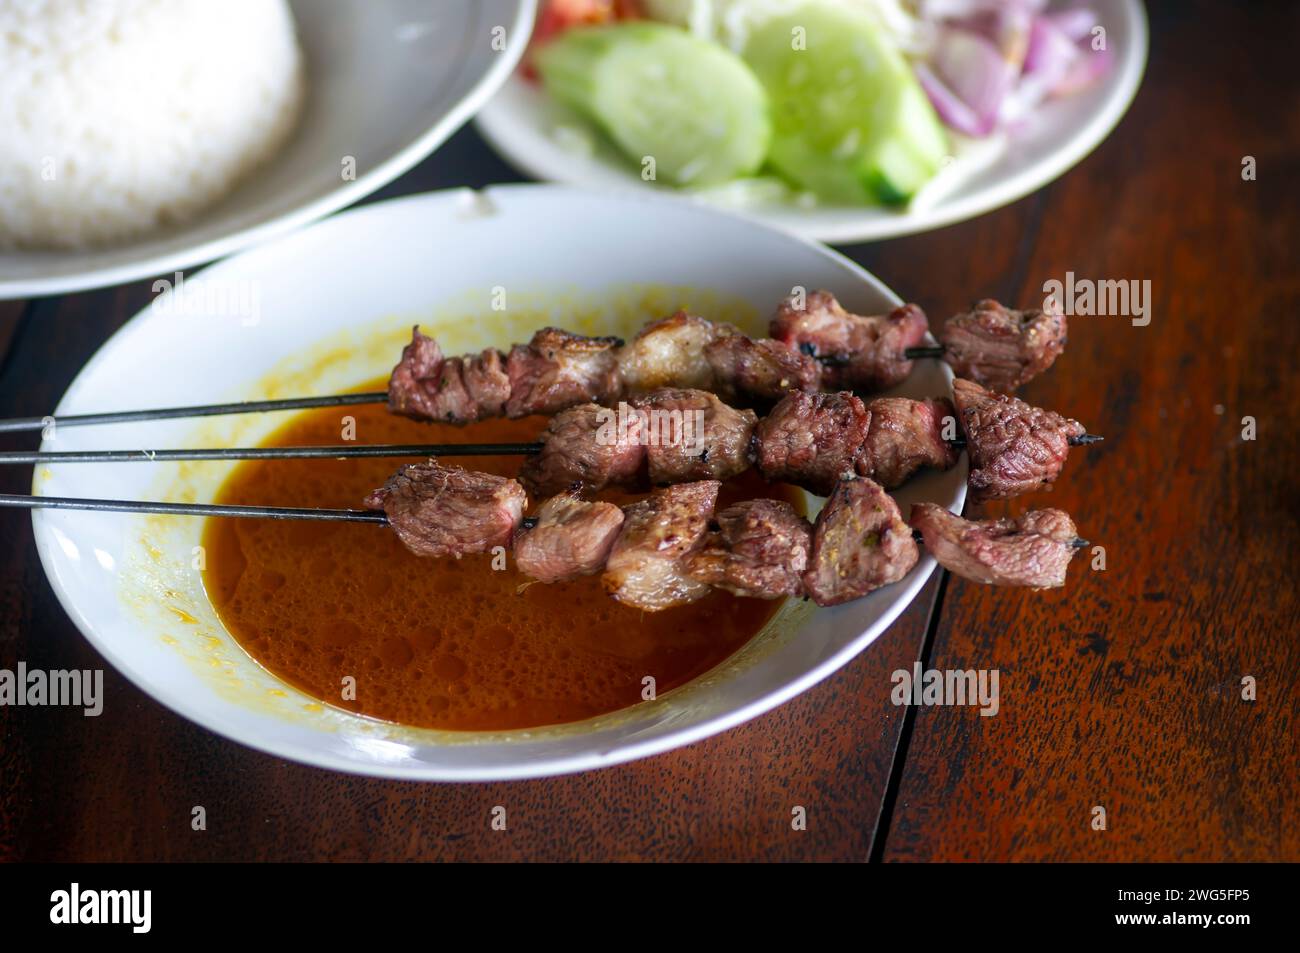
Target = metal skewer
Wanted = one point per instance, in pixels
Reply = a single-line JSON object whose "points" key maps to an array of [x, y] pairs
{"points": [[917, 353], [22, 502], [321, 453], [18, 501], [16, 424], [273, 453]]}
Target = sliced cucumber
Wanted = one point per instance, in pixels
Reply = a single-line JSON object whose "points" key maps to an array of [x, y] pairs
{"points": [[850, 121], [659, 92]]}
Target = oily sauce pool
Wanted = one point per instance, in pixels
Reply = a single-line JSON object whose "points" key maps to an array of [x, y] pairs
{"points": [[440, 643]]}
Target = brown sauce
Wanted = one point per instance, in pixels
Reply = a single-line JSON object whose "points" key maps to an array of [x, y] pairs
{"points": [[440, 643]]}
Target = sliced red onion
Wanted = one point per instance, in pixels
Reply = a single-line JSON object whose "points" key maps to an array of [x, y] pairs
{"points": [[1087, 69], [955, 113], [993, 61], [1076, 24], [1051, 52], [973, 69]]}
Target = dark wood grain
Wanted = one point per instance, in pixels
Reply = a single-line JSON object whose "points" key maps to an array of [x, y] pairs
{"points": [[1122, 691]]}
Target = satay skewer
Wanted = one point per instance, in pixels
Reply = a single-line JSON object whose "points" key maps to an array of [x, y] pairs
{"points": [[374, 517], [803, 342], [339, 452]]}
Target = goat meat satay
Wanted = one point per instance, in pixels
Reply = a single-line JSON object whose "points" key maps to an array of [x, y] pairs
{"points": [[860, 543], [571, 538], [809, 439], [487, 382], [1014, 447], [760, 370], [647, 568], [1033, 549], [557, 369], [760, 550], [691, 435], [589, 445], [905, 436], [426, 385], [812, 439], [670, 352], [1000, 348], [858, 352], [447, 511]]}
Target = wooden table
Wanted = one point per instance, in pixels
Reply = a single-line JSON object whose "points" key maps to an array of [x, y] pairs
{"points": [[1123, 691]]}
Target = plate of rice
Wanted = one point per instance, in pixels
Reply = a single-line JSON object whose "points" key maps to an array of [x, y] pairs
{"points": [[141, 137]]}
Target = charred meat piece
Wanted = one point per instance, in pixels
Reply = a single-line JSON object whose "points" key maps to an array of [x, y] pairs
{"points": [[557, 369], [860, 543], [670, 352], [760, 550], [762, 370], [420, 361], [905, 435], [691, 435], [1014, 447], [858, 352], [572, 538], [812, 439], [1030, 550], [647, 568], [447, 511], [426, 386], [487, 382], [589, 445], [1001, 348]]}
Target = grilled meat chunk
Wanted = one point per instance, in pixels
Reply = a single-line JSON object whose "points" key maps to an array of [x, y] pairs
{"points": [[762, 370], [858, 352], [860, 543], [812, 439], [905, 435], [691, 435], [1014, 447], [1033, 549], [760, 550], [487, 382], [1001, 348], [557, 369], [427, 386], [647, 568], [572, 538], [447, 511], [588, 445], [670, 352]]}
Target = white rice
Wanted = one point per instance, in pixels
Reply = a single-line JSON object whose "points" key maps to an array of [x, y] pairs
{"points": [[118, 117]]}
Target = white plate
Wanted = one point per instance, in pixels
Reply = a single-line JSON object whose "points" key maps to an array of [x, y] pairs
{"points": [[350, 288], [520, 122], [387, 84]]}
